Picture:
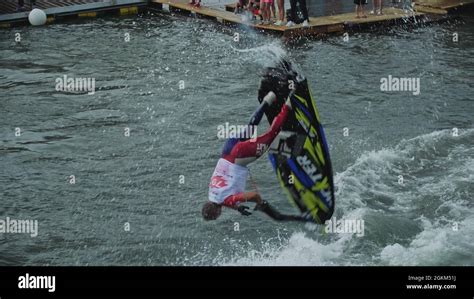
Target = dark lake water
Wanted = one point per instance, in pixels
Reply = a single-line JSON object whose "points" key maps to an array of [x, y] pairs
{"points": [[156, 179]]}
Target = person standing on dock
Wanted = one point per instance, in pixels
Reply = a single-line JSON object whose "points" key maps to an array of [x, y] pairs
{"points": [[376, 4], [281, 12], [304, 10], [240, 6], [408, 6], [195, 3], [266, 11], [360, 8], [273, 10]]}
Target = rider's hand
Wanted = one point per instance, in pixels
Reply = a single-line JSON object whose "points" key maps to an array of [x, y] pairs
{"points": [[261, 205], [288, 102], [270, 98], [243, 210]]}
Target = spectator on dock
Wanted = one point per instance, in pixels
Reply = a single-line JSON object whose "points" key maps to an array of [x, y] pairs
{"points": [[272, 7], [240, 5], [251, 7], [196, 3], [21, 5], [255, 7], [375, 10], [281, 12], [360, 8], [293, 17], [266, 11], [408, 6]]}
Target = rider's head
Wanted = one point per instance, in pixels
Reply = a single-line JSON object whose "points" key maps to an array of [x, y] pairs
{"points": [[211, 211]]}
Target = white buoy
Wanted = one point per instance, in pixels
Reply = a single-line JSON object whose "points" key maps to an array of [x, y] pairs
{"points": [[37, 17]]}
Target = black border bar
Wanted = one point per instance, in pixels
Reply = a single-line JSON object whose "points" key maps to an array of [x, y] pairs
{"points": [[381, 282]]}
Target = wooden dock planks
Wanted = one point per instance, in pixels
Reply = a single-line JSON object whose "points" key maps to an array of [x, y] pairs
{"points": [[427, 10], [444, 4], [70, 9], [10, 6], [318, 25]]}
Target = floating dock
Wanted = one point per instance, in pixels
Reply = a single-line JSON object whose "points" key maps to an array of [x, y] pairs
{"points": [[317, 25], [56, 10], [59, 10], [451, 6]]}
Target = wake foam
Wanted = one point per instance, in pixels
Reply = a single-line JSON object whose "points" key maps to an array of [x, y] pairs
{"points": [[299, 250], [432, 202], [435, 245]]}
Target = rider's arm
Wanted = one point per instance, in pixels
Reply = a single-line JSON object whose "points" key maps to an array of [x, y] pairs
{"points": [[273, 213], [258, 114], [233, 201]]}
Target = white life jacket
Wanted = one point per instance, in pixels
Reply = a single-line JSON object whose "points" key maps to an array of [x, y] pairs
{"points": [[228, 179]]}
